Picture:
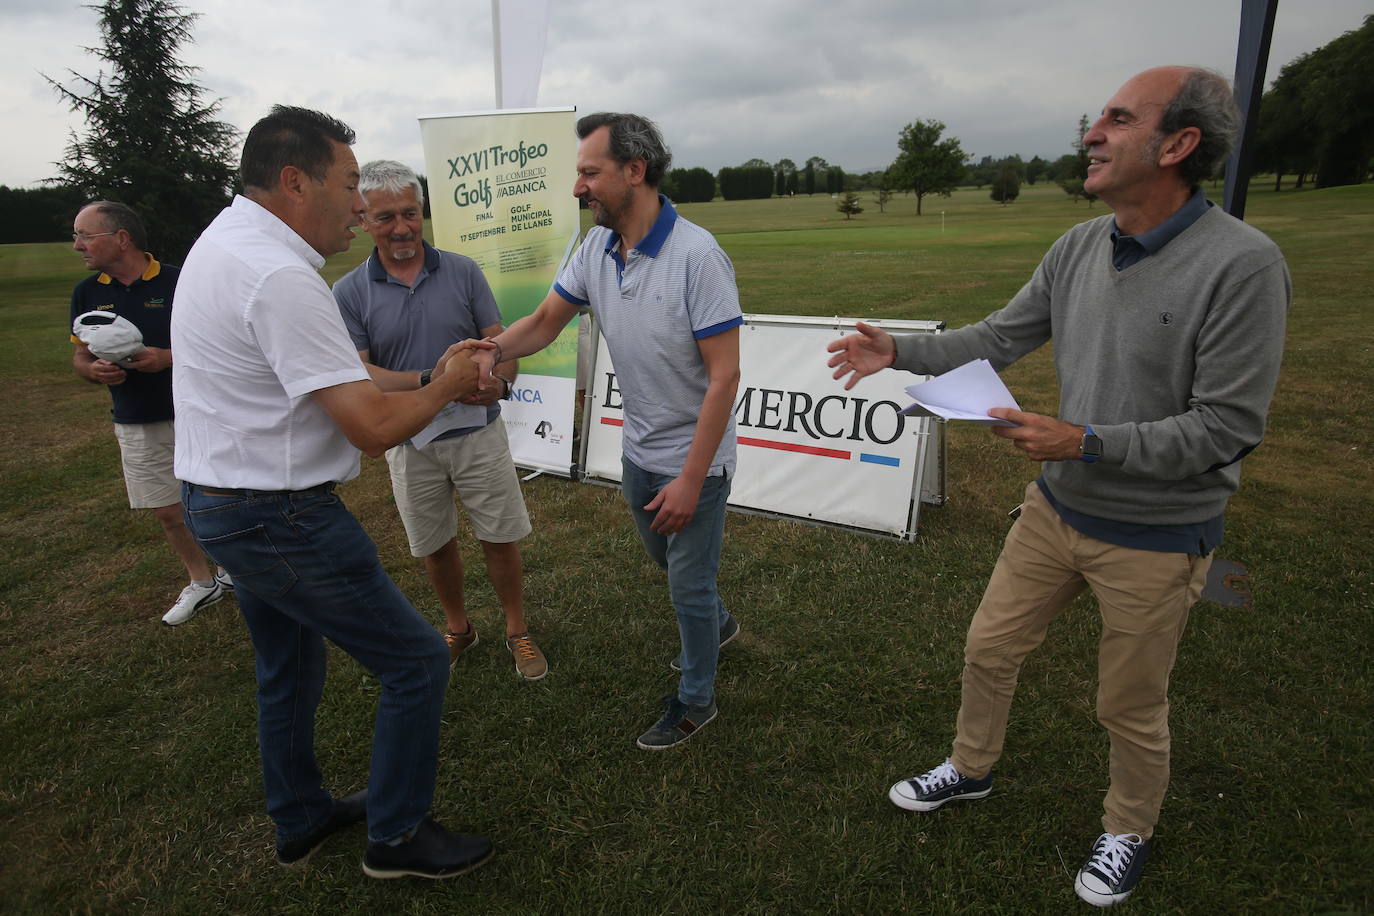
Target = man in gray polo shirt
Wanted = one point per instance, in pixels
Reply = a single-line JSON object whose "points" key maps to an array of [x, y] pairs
{"points": [[403, 306], [664, 295]]}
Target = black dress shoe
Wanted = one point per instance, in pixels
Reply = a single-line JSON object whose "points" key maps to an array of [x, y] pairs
{"points": [[432, 852], [350, 809]]}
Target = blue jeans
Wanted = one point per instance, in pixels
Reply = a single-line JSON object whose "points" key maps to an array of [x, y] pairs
{"points": [[692, 559], [304, 571]]}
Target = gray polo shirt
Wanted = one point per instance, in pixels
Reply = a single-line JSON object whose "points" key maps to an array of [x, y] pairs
{"points": [[675, 288], [407, 328]]}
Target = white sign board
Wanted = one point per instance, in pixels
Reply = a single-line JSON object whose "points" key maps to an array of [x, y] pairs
{"points": [[808, 449]]}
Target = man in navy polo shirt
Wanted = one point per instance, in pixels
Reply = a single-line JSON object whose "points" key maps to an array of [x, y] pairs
{"points": [[403, 306], [130, 283], [664, 296]]}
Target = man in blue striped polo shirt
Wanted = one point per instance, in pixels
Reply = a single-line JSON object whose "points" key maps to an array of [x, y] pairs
{"points": [[665, 298]]}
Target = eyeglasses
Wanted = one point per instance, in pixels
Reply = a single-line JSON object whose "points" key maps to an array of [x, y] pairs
{"points": [[87, 236]]}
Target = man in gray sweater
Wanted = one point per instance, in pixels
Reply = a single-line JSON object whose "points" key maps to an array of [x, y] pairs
{"points": [[1167, 317]]}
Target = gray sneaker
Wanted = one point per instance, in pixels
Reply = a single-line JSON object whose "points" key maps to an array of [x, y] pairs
{"points": [[680, 721], [728, 631]]}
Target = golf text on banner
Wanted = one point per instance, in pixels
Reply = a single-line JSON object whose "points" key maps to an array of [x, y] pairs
{"points": [[500, 192], [808, 449]]}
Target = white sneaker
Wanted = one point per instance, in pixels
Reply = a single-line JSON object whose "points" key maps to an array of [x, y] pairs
{"points": [[193, 598], [224, 580]]}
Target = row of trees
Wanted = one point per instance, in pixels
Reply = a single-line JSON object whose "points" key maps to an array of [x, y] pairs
{"points": [[1318, 119], [152, 142], [757, 179], [38, 214]]}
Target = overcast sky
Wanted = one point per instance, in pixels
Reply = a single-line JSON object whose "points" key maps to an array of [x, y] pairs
{"points": [[727, 80]]}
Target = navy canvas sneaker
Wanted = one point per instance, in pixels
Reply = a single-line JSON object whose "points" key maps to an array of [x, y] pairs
{"points": [[679, 722], [940, 785], [1112, 869]]}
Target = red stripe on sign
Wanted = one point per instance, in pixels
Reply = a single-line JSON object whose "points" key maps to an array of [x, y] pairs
{"points": [[789, 447], [612, 421]]}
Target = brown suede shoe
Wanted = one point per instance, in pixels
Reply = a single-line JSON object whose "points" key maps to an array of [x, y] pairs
{"points": [[457, 642], [529, 661]]}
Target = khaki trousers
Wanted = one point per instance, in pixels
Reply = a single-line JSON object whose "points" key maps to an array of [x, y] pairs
{"points": [[1143, 596]]}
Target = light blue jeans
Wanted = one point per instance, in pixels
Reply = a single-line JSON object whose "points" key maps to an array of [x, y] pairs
{"points": [[692, 559], [305, 571]]}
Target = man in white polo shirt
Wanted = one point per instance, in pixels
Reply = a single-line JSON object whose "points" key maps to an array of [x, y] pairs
{"points": [[664, 295], [273, 406]]}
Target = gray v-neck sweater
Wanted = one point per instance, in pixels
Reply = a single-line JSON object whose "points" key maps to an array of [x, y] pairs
{"points": [[1172, 361]]}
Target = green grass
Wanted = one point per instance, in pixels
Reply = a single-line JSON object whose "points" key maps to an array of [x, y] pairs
{"points": [[129, 780]]}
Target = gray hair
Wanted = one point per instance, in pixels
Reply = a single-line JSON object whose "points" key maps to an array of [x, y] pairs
{"points": [[392, 176], [1204, 101], [632, 137], [119, 216]]}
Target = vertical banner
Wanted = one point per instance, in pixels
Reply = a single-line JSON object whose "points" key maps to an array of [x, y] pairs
{"points": [[519, 31], [500, 187]]}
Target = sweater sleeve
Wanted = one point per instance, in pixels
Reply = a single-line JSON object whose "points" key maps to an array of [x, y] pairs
{"points": [[1236, 366], [1002, 338]]}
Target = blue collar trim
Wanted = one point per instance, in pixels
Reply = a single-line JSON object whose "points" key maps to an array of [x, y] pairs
{"points": [[652, 243]]}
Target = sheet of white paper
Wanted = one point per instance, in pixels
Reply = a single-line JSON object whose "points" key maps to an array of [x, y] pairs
{"points": [[453, 416], [965, 393]]}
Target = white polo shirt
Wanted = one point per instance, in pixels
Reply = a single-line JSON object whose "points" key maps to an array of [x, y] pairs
{"points": [[255, 331]]}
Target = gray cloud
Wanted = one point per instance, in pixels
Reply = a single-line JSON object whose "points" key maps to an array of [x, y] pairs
{"points": [[727, 80]]}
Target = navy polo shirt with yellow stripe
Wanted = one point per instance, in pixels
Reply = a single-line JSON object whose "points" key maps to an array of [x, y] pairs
{"points": [[143, 397]]}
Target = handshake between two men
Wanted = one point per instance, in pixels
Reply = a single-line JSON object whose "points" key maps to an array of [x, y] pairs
{"points": [[466, 367]]}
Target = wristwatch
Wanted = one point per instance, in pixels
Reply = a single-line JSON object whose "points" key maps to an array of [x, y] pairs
{"points": [[425, 375], [1090, 449], [509, 385]]}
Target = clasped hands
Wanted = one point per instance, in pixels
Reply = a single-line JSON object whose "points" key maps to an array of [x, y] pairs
{"points": [[149, 359], [475, 360]]}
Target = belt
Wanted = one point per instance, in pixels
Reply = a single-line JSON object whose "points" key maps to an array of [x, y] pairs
{"points": [[247, 494]]}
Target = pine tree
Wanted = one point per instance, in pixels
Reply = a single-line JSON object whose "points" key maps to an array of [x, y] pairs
{"points": [[848, 204], [150, 141]]}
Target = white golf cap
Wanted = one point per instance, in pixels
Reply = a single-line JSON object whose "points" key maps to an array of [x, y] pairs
{"points": [[109, 336]]}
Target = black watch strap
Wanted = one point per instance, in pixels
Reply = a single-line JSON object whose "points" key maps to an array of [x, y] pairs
{"points": [[425, 375]]}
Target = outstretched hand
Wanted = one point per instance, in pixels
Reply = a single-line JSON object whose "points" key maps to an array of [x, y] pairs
{"points": [[862, 354]]}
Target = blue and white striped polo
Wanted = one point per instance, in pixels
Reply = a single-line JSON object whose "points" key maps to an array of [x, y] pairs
{"points": [[675, 288]]}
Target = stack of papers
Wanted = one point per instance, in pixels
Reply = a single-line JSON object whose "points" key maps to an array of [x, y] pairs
{"points": [[966, 393]]}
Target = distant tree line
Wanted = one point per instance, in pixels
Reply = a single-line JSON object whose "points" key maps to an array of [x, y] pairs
{"points": [[1317, 121], [38, 214], [746, 182], [689, 186]]}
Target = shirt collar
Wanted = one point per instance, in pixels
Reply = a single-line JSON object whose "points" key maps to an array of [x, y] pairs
{"points": [[149, 272], [652, 243], [1171, 228], [262, 218], [375, 270]]}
